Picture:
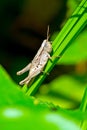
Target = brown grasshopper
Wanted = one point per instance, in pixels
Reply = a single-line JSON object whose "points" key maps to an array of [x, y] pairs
{"points": [[38, 63]]}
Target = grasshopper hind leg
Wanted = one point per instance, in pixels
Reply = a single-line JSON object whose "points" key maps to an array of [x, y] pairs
{"points": [[25, 81], [24, 69]]}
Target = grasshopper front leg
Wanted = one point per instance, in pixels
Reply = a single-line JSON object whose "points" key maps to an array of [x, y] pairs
{"points": [[54, 57]]}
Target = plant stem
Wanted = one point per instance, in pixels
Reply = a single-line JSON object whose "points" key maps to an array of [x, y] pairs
{"points": [[83, 106]]}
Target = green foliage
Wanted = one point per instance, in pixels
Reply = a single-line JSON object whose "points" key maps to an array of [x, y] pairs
{"points": [[76, 52], [65, 91], [18, 111]]}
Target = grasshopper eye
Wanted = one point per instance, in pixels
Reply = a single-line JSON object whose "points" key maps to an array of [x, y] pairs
{"points": [[46, 45]]}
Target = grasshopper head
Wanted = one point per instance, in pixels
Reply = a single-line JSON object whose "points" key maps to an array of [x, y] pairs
{"points": [[47, 43], [47, 46]]}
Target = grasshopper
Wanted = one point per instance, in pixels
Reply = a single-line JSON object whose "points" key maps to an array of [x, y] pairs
{"points": [[38, 63]]}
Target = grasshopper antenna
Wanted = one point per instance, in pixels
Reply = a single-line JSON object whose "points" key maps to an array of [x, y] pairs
{"points": [[48, 33]]}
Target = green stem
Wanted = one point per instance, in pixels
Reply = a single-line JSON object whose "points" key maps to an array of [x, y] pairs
{"points": [[83, 106]]}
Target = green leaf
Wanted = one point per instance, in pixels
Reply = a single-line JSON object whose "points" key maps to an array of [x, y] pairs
{"points": [[11, 94], [18, 111]]}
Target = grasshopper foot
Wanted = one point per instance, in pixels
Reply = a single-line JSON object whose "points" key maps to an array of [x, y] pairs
{"points": [[45, 72]]}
